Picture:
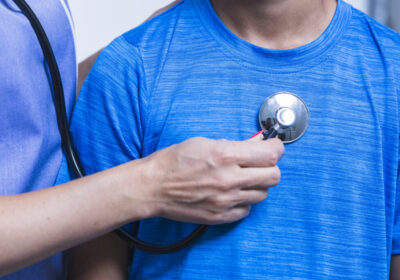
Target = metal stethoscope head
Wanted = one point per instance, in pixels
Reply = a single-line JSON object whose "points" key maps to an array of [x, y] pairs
{"points": [[284, 115]]}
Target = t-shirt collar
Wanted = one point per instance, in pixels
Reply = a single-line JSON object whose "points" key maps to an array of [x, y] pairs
{"points": [[272, 59]]}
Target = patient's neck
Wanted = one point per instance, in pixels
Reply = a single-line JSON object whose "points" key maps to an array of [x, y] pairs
{"points": [[276, 24]]}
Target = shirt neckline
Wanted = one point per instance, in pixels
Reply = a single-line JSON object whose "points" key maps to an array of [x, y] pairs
{"points": [[273, 60]]}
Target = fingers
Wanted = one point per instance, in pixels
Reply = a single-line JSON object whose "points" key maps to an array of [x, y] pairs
{"points": [[223, 209], [250, 197], [215, 181], [207, 217], [254, 153], [236, 178], [240, 198], [256, 178], [237, 207], [234, 214]]}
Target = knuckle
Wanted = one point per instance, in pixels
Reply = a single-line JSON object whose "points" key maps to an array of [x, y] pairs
{"points": [[212, 219], [276, 150], [218, 218], [273, 157], [232, 215], [225, 182], [276, 175], [263, 196], [220, 203], [216, 152], [282, 148], [223, 153], [244, 211], [279, 146]]}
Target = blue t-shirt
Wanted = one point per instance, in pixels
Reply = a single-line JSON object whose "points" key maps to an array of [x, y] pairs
{"points": [[184, 74], [30, 144]]}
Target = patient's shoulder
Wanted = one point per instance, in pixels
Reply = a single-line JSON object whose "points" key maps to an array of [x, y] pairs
{"points": [[157, 30], [152, 41]]}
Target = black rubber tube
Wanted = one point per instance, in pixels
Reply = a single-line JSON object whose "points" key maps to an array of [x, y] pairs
{"points": [[66, 139]]}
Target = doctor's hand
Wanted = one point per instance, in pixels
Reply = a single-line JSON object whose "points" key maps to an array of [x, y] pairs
{"points": [[212, 181]]}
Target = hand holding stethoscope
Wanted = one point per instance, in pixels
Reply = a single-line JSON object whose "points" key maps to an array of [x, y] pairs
{"points": [[282, 115]]}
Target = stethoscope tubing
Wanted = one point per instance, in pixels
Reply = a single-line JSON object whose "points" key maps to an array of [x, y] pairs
{"points": [[66, 139], [67, 143]]}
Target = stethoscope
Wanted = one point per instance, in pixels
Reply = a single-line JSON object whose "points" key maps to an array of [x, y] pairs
{"points": [[282, 115]]}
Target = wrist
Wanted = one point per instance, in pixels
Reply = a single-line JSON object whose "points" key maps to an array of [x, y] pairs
{"points": [[140, 189]]}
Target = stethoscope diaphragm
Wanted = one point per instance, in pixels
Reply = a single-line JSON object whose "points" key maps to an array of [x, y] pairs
{"points": [[285, 115]]}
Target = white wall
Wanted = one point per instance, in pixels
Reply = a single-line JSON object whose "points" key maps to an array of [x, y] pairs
{"points": [[359, 4], [97, 22]]}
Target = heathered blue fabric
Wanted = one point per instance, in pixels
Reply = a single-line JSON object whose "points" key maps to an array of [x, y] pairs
{"points": [[184, 74], [30, 144]]}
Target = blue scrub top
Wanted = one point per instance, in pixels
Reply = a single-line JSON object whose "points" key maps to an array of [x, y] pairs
{"points": [[30, 153]]}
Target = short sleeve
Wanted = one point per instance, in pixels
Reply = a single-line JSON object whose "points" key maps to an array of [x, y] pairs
{"points": [[109, 117], [396, 226]]}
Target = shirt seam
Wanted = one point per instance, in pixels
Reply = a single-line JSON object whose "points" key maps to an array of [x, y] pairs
{"points": [[148, 114], [145, 108], [149, 111], [226, 52]]}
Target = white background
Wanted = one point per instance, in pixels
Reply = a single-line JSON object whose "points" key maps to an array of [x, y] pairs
{"points": [[97, 22]]}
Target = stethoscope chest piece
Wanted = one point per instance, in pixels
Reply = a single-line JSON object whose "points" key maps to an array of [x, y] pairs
{"points": [[284, 114]]}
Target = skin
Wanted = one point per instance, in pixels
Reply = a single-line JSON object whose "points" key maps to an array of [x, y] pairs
{"points": [[276, 24], [201, 180], [273, 24], [84, 69], [191, 196], [395, 268], [216, 184]]}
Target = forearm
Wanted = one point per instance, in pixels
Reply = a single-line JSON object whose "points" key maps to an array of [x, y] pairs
{"points": [[38, 224], [198, 181]]}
